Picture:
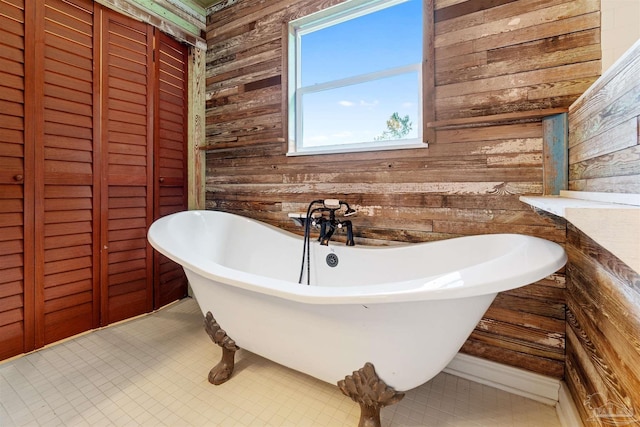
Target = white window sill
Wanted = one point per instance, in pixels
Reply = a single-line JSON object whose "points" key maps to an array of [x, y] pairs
{"points": [[337, 149], [610, 219]]}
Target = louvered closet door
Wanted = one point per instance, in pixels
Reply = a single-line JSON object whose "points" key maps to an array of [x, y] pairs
{"points": [[127, 144], [170, 167], [16, 300], [67, 246]]}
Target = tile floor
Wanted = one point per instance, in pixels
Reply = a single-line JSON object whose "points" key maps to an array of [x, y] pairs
{"points": [[152, 371]]}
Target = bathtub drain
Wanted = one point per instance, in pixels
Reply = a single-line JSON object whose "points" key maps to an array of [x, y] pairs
{"points": [[332, 260]]}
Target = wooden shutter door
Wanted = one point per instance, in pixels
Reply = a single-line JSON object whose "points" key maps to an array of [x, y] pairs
{"points": [[76, 175], [170, 193], [16, 239], [67, 286], [127, 144]]}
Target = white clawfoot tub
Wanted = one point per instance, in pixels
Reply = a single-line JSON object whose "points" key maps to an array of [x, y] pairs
{"points": [[406, 309]]}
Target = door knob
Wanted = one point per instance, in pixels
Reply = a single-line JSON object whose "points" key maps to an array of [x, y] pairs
{"points": [[18, 177]]}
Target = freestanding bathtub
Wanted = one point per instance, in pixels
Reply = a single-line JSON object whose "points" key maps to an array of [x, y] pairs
{"points": [[406, 310]]}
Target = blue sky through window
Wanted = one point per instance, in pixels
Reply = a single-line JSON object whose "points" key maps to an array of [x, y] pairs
{"points": [[388, 38], [358, 113], [378, 41]]}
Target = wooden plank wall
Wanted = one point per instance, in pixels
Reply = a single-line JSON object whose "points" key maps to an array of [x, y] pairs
{"points": [[604, 132], [491, 57], [603, 301]]}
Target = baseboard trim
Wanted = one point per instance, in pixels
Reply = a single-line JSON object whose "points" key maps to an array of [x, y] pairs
{"points": [[549, 391], [517, 381]]}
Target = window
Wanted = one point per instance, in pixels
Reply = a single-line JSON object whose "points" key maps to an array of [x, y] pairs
{"points": [[355, 78]]}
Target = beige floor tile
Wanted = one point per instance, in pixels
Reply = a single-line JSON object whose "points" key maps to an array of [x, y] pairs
{"points": [[152, 371]]}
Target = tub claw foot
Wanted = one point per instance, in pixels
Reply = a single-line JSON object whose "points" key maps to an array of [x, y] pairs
{"points": [[224, 369], [370, 392]]}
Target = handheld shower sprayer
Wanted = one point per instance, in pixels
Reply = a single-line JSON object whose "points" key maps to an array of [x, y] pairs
{"points": [[336, 204], [349, 211]]}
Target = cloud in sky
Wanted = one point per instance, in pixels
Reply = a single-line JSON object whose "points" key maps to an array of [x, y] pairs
{"points": [[361, 103], [369, 104]]}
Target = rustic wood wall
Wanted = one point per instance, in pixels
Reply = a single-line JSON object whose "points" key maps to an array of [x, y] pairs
{"points": [[604, 139], [497, 65], [603, 303]]}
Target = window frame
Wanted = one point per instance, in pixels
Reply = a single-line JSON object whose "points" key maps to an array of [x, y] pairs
{"points": [[333, 15]]}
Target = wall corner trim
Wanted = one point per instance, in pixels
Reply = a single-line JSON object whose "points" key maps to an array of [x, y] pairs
{"points": [[517, 381], [566, 408], [555, 151]]}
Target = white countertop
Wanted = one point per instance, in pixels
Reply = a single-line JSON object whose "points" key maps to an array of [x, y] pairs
{"points": [[610, 219]]}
